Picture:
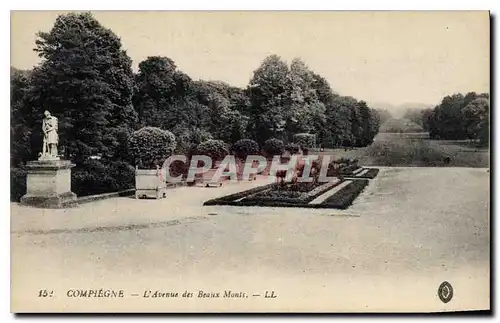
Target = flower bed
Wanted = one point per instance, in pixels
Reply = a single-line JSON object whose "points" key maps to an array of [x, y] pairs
{"points": [[302, 195], [348, 170], [236, 196], [345, 196], [371, 173], [267, 196]]}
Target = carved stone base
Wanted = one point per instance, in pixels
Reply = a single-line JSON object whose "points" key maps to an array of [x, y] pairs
{"points": [[47, 158], [48, 184]]}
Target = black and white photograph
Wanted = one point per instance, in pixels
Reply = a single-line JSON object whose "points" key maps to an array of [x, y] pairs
{"points": [[250, 161]]}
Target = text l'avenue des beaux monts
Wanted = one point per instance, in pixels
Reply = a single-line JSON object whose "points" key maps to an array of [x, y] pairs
{"points": [[199, 294]]}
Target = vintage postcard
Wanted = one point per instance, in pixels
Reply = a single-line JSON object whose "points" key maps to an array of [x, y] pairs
{"points": [[260, 161]]}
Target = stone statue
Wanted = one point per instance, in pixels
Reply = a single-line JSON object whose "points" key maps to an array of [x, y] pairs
{"points": [[50, 137], [48, 179]]}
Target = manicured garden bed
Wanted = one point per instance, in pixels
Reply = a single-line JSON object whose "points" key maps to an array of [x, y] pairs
{"points": [[301, 194], [236, 196], [304, 194], [348, 170], [371, 173], [345, 196], [269, 196]]}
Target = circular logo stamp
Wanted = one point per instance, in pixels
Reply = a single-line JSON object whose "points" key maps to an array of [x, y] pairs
{"points": [[445, 292]]}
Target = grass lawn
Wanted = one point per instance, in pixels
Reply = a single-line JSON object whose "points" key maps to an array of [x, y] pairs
{"points": [[394, 149]]}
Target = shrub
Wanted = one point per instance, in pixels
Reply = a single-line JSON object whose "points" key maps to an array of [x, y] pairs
{"points": [[178, 167], [215, 149], [305, 140], [343, 198], [189, 138], [274, 147], [97, 167], [371, 173], [342, 167], [151, 146], [85, 182], [123, 173], [347, 161], [97, 177], [293, 148], [239, 195], [17, 183], [244, 147]]}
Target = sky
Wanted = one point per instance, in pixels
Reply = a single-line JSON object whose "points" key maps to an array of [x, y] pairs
{"points": [[390, 57]]}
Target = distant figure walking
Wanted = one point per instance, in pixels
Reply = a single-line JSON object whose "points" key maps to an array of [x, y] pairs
{"points": [[447, 160]]}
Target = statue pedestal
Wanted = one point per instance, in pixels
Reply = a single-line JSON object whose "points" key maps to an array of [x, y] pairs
{"points": [[48, 184]]}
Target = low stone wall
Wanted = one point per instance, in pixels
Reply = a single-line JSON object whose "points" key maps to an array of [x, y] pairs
{"points": [[129, 192]]}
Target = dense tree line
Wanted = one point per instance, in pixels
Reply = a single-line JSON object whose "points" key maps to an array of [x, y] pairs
{"points": [[459, 117], [85, 78]]}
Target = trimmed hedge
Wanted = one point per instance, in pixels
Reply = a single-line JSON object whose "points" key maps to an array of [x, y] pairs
{"points": [[293, 197], [340, 200], [151, 146], [188, 139], [342, 167], [90, 178], [17, 183], [344, 160], [85, 182], [215, 149], [346, 195], [274, 147], [348, 170], [305, 140], [244, 147], [178, 167], [293, 148], [236, 196], [123, 173], [96, 177], [371, 173]]}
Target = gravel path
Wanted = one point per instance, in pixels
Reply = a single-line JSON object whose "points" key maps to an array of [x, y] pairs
{"points": [[410, 230]]}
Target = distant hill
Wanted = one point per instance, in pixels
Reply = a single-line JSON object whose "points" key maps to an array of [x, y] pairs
{"points": [[383, 106]]}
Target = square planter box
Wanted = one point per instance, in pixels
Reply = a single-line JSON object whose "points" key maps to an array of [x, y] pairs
{"points": [[150, 183], [207, 178]]}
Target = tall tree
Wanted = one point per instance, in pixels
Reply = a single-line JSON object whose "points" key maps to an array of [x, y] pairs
{"points": [[449, 117], [20, 117], [269, 92], [427, 120], [339, 122], [85, 79], [225, 108], [306, 113], [366, 121], [375, 123], [476, 118], [324, 92], [459, 117], [160, 87]]}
